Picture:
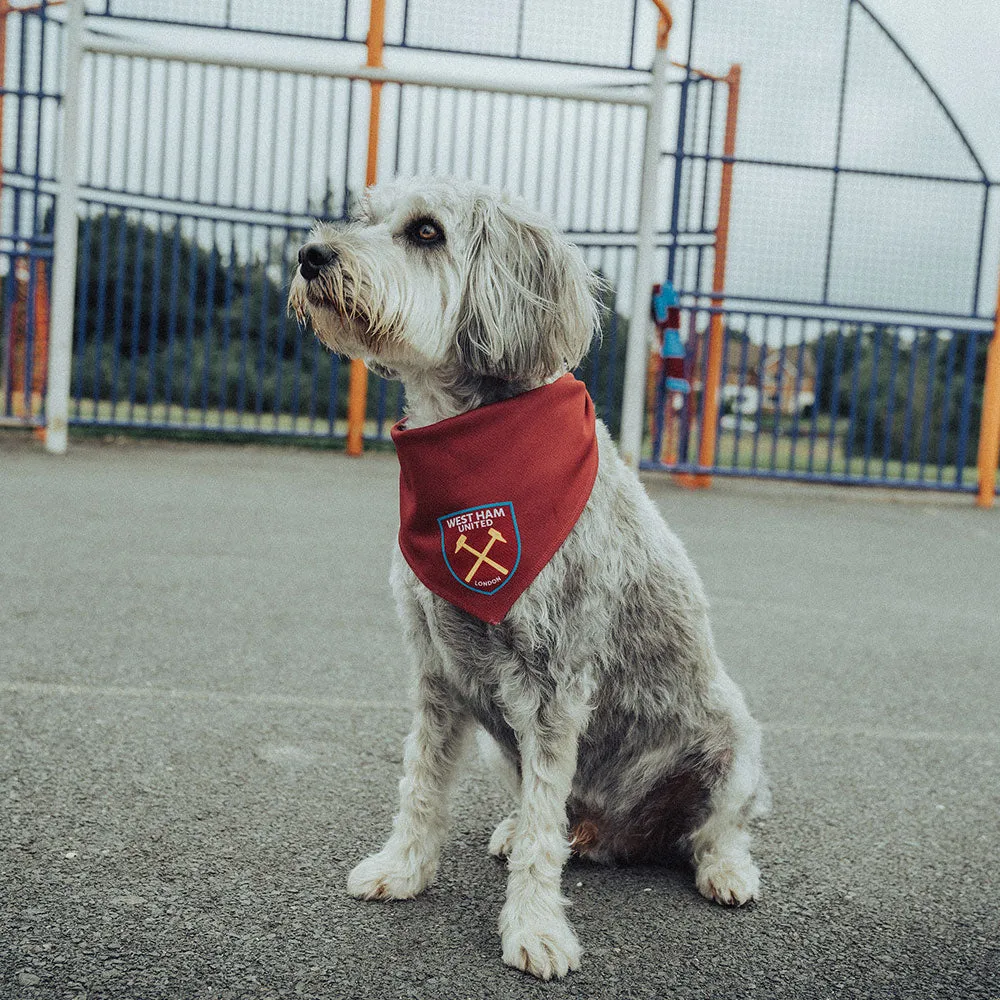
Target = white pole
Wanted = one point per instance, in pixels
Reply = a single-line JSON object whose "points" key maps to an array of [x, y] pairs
{"points": [[65, 244], [110, 45], [634, 397]]}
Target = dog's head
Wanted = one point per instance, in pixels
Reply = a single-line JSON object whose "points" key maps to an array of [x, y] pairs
{"points": [[446, 279]]}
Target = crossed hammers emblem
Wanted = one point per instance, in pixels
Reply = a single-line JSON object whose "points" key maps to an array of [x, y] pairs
{"points": [[484, 556]]}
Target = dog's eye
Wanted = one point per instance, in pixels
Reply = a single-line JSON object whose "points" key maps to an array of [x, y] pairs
{"points": [[425, 232]]}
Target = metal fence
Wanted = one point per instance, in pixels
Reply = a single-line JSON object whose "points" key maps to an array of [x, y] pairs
{"points": [[859, 290], [199, 182], [830, 400], [613, 34], [842, 275]]}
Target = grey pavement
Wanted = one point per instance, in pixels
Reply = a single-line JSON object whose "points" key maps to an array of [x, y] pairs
{"points": [[203, 694]]}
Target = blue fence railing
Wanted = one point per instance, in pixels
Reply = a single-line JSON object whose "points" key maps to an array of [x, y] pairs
{"points": [[829, 400], [182, 324]]}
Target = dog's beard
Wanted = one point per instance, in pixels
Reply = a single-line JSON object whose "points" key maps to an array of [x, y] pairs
{"points": [[345, 312], [379, 312]]}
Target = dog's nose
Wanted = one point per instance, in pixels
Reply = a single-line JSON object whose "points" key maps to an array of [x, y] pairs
{"points": [[313, 257]]}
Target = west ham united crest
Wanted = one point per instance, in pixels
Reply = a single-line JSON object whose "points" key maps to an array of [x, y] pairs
{"points": [[481, 546]]}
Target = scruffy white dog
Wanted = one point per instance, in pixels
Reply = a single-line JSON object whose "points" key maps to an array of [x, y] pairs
{"points": [[599, 694]]}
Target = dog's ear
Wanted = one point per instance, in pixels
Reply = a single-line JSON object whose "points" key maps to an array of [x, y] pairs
{"points": [[528, 307]]}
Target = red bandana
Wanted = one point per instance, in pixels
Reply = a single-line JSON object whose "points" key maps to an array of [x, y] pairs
{"points": [[487, 497]]}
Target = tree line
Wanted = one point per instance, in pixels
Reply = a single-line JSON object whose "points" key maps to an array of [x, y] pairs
{"points": [[163, 318], [907, 393]]}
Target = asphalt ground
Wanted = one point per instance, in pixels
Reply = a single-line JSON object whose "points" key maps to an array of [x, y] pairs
{"points": [[203, 694]]}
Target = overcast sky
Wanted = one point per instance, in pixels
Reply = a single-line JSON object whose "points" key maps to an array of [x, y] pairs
{"points": [[957, 46], [894, 243]]}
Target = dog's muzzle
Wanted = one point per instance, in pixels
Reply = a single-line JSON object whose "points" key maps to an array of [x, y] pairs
{"points": [[313, 257]]}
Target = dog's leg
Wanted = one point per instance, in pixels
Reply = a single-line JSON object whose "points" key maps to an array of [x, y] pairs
{"points": [[497, 762], [534, 932], [503, 836], [724, 870], [408, 862]]}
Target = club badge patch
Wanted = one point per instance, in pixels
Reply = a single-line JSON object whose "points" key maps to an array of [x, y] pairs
{"points": [[481, 546]]}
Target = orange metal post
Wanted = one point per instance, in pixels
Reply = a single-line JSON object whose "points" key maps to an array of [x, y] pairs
{"points": [[717, 331], [664, 24], [989, 426], [26, 398], [41, 361], [40, 354], [357, 394]]}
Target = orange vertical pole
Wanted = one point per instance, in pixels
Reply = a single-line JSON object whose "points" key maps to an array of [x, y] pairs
{"points": [[663, 24], [41, 356], [989, 425], [357, 394], [717, 331], [30, 403]]}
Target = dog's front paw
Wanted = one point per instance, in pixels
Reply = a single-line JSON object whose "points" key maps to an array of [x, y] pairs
{"points": [[728, 880], [390, 875], [547, 949]]}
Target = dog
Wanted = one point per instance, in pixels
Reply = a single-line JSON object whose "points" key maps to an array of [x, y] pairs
{"points": [[598, 696]]}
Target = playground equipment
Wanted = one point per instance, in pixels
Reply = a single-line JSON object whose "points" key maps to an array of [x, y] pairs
{"points": [[826, 246], [672, 386], [673, 400]]}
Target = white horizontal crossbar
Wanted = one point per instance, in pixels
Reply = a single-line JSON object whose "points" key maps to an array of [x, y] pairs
{"points": [[104, 44]]}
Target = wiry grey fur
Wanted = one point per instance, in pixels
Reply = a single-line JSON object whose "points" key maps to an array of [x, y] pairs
{"points": [[600, 696]]}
